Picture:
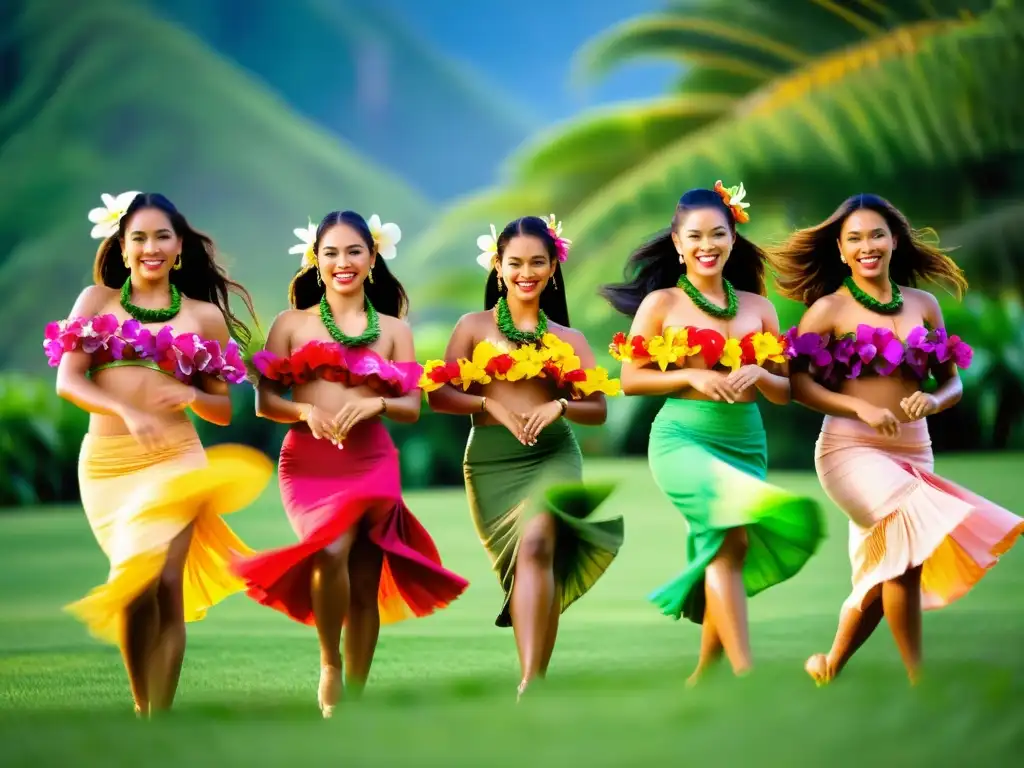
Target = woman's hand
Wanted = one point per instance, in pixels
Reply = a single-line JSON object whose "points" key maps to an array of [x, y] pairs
{"points": [[744, 377], [535, 421], [320, 424], [919, 405], [146, 428], [513, 422], [880, 419], [354, 412], [173, 396], [713, 384]]}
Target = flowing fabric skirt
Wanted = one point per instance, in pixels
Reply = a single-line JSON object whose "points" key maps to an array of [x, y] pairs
{"points": [[711, 459], [509, 483], [902, 515], [137, 502], [326, 492]]}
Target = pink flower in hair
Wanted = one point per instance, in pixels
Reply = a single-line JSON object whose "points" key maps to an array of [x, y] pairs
{"points": [[561, 244]]}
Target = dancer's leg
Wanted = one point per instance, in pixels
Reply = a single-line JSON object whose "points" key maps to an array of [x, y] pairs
{"points": [[533, 595], [168, 651], [330, 593], [727, 599], [363, 624]]}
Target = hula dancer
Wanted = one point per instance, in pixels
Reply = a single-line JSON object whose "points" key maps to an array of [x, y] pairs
{"points": [[863, 352], [347, 356], [522, 373], [704, 334], [152, 338]]}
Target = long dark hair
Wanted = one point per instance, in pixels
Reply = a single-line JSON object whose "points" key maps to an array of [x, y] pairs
{"points": [[655, 264], [385, 292], [200, 276], [807, 268], [552, 299]]}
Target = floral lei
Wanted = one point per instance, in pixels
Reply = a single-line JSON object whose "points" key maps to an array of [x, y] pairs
{"points": [[550, 358], [871, 350], [182, 355], [674, 345]]}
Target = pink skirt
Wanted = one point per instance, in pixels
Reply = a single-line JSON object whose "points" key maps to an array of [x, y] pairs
{"points": [[327, 491], [902, 515]]}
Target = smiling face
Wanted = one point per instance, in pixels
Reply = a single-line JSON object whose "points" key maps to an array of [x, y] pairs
{"points": [[704, 241], [150, 245], [344, 259], [866, 243], [526, 267]]}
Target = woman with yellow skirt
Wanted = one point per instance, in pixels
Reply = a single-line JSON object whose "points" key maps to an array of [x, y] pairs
{"points": [[522, 374], [153, 497], [862, 355]]}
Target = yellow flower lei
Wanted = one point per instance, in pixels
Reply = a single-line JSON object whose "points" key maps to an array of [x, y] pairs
{"points": [[676, 344], [552, 358]]}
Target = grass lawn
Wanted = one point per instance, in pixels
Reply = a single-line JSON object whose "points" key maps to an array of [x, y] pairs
{"points": [[442, 690]]}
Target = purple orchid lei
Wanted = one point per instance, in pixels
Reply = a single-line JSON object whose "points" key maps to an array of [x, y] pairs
{"points": [[182, 355], [877, 351]]}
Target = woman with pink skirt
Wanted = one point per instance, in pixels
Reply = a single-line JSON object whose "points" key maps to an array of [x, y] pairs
{"points": [[863, 355]]}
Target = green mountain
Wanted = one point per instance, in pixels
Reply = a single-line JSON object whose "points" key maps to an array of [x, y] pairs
{"points": [[364, 74], [113, 98]]}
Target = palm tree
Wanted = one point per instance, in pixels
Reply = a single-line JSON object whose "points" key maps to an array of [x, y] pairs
{"points": [[805, 102]]}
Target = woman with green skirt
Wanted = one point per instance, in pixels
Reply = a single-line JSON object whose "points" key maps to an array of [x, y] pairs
{"points": [[704, 335], [522, 374]]}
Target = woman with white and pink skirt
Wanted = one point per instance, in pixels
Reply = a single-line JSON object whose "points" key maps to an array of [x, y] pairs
{"points": [[864, 354]]}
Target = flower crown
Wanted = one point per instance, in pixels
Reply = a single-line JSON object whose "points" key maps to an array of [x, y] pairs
{"points": [[385, 238], [488, 244], [733, 198], [107, 218]]}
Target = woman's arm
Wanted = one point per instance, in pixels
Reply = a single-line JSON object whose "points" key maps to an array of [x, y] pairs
{"points": [[593, 409], [808, 392], [404, 409], [450, 399], [950, 389], [270, 401], [774, 386], [212, 401], [643, 380], [73, 383]]}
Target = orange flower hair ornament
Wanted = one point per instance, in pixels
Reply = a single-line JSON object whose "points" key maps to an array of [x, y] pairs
{"points": [[733, 197]]}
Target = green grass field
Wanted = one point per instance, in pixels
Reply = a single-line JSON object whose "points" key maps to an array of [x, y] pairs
{"points": [[442, 690]]}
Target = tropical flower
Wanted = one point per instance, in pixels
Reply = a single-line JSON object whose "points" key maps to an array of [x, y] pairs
{"points": [[307, 237], [488, 245], [733, 197], [555, 228], [385, 236], [107, 218]]}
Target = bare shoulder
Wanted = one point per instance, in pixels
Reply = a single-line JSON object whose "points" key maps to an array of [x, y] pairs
{"points": [[755, 301], [206, 311], [475, 321], [920, 297], [659, 300], [395, 327], [93, 299], [567, 334]]}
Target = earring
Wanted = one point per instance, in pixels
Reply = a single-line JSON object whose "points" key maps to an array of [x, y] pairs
{"points": [[177, 262], [500, 286], [370, 275], [554, 282], [842, 259], [319, 280]]}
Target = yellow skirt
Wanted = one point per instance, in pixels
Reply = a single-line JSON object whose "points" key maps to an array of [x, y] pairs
{"points": [[137, 502]]}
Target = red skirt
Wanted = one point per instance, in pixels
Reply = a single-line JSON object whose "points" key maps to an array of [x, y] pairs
{"points": [[325, 492]]}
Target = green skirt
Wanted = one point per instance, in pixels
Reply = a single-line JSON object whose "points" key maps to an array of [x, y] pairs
{"points": [[509, 483], [711, 459]]}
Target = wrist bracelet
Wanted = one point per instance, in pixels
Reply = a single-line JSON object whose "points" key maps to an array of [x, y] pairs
{"points": [[483, 405], [563, 404], [383, 405]]}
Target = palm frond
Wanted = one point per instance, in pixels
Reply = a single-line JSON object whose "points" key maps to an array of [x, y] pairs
{"points": [[919, 110]]}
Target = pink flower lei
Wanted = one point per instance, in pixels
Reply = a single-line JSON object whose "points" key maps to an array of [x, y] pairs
{"points": [[181, 355]]}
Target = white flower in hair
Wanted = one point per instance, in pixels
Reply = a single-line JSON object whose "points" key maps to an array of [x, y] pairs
{"points": [[488, 245], [307, 236], [385, 236], [108, 218]]}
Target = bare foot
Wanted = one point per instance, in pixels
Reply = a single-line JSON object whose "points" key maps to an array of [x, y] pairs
{"points": [[521, 690], [330, 690], [817, 667]]}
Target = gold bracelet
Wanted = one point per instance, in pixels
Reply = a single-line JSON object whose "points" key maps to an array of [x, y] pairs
{"points": [[483, 405], [563, 404], [305, 409], [383, 405]]}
